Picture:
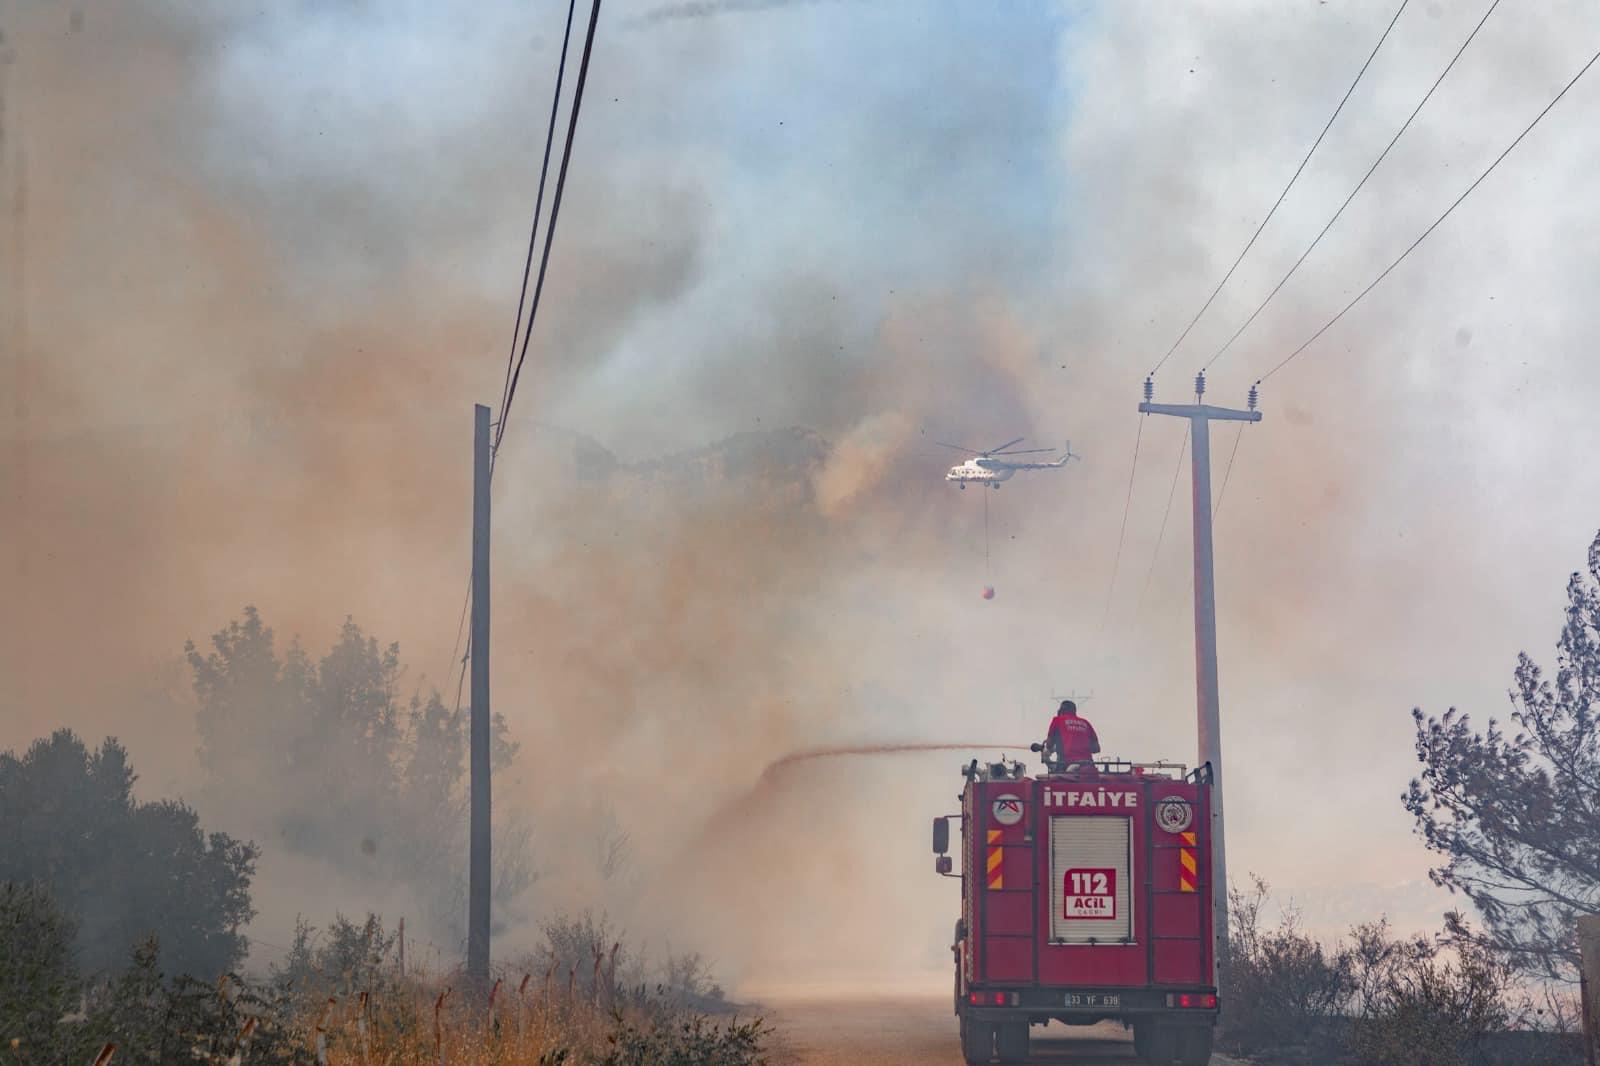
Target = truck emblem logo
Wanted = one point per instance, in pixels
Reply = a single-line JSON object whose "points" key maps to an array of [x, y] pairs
{"points": [[1174, 814], [1007, 809]]}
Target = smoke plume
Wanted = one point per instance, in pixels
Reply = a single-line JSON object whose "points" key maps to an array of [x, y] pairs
{"points": [[257, 266]]}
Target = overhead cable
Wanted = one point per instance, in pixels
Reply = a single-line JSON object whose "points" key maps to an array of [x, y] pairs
{"points": [[516, 327], [550, 227], [1293, 178], [1172, 491], [1227, 473], [461, 627], [461, 678], [538, 206], [1286, 360], [1122, 534], [1381, 156]]}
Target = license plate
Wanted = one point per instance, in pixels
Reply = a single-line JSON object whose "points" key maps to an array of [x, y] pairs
{"points": [[1093, 999]]}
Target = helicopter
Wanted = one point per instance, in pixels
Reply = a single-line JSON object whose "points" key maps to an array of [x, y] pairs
{"points": [[992, 466]]}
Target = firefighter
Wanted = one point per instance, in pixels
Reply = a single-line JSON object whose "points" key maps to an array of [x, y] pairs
{"points": [[1071, 742]]}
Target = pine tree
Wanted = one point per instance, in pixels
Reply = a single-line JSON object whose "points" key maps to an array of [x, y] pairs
{"points": [[1516, 815]]}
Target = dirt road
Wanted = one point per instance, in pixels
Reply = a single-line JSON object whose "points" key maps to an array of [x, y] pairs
{"points": [[921, 1031]]}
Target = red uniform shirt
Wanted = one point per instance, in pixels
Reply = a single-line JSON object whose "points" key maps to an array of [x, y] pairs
{"points": [[1075, 736]]}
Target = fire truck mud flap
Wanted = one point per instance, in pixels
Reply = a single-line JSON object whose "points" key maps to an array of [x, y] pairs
{"points": [[1194, 1045], [977, 1039], [1011, 1041], [1162, 1044]]}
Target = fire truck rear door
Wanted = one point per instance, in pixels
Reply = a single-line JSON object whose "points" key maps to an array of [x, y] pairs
{"points": [[1091, 890]]}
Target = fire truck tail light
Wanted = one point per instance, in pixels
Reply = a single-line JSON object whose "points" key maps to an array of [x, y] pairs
{"points": [[1199, 1000], [991, 999]]}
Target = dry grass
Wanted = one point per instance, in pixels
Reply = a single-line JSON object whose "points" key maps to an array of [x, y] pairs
{"points": [[341, 1002], [526, 1022], [437, 1021]]}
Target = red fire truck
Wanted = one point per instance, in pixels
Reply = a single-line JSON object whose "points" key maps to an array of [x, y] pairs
{"points": [[1085, 896]]}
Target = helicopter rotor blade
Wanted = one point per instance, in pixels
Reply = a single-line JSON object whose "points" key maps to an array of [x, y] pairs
{"points": [[1004, 446], [1025, 451], [959, 448]]}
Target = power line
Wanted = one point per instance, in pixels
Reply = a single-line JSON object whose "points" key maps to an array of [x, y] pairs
{"points": [[555, 212], [516, 327], [538, 203], [1183, 450], [1122, 534], [1412, 247], [456, 646], [1212, 298], [1221, 492], [1381, 156], [1293, 178], [461, 679], [1228, 472]]}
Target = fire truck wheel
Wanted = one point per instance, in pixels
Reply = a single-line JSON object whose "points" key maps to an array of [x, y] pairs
{"points": [[977, 1041], [1155, 1043], [1194, 1046], [1012, 1042]]}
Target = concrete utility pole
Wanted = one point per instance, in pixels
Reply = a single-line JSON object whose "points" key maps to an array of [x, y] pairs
{"points": [[478, 647], [1200, 417], [1589, 948]]}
